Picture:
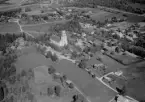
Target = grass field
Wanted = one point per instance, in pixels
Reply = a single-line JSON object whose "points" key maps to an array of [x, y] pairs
{"points": [[37, 28], [135, 19], [125, 59], [31, 60], [15, 1], [92, 88], [102, 15], [9, 28], [41, 28], [111, 64]]}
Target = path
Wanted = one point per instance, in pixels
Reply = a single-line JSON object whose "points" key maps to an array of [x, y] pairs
{"points": [[21, 30]]}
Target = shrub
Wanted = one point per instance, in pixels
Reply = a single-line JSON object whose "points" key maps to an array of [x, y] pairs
{"points": [[54, 57], [82, 64], [49, 54], [50, 91], [78, 98], [71, 86], [51, 70], [57, 90]]}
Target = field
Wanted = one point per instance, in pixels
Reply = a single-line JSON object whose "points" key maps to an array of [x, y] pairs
{"points": [[9, 28], [14, 1], [103, 15], [37, 28], [135, 19], [125, 59], [111, 64], [92, 88], [134, 86], [40, 28]]}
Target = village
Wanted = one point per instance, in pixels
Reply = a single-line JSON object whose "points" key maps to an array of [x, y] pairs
{"points": [[74, 47]]}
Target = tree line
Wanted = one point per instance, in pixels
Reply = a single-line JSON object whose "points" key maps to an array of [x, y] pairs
{"points": [[119, 4], [7, 39]]}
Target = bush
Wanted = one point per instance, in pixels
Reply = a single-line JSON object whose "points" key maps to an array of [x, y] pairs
{"points": [[57, 90], [51, 70], [78, 98], [54, 57], [49, 54], [71, 86], [82, 64], [50, 91]]}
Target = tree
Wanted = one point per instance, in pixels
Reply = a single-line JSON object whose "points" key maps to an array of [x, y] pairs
{"points": [[49, 54], [121, 91], [82, 64], [51, 70], [78, 98], [54, 57], [64, 77], [117, 49], [1, 93], [57, 90], [27, 9], [71, 86], [50, 91], [74, 54]]}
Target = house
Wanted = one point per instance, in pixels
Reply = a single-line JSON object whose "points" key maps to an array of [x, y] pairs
{"points": [[118, 73], [107, 78], [120, 34], [129, 38], [68, 82], [124, 99]]}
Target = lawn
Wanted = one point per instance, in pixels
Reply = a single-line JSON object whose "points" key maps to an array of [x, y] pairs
{"points": [[9, 28], [92, 88]]}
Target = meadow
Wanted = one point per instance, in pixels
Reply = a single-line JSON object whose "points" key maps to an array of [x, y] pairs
{"points": [[101, 15], [9, 28], [92, 88], [125, 59]]}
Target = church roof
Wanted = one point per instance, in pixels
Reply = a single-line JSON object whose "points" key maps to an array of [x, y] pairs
{"points": [[55, 38]]}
